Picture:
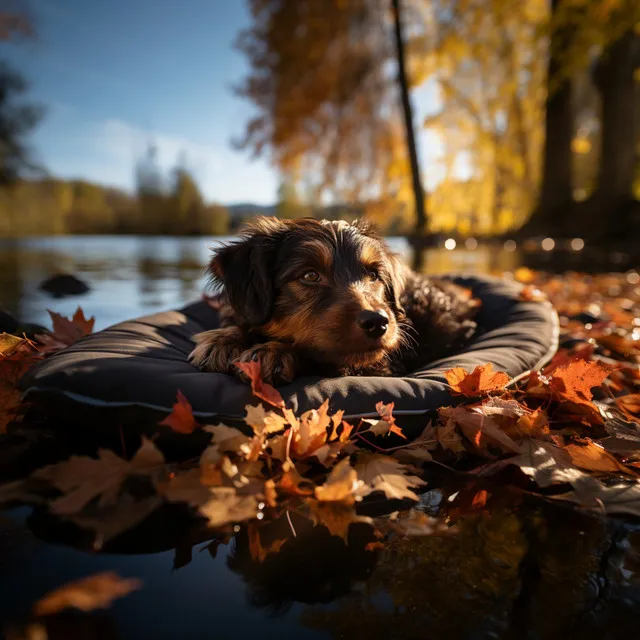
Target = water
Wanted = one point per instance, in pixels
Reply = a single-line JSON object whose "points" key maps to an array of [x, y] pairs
{"points": [[530, 569], [130, 276]]}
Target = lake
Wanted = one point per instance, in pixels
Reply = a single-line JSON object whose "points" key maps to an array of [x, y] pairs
{"points": [[131, 276], [528, 569]]}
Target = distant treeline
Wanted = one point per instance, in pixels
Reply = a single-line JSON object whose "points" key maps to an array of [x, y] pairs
{"points": [[54, 206]]}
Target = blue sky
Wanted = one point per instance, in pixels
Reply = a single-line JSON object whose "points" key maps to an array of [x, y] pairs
{"points": [[118, 74]]}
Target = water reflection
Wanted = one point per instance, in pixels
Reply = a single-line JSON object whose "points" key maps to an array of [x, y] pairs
{"points": [[131, 276], [528, 568]]}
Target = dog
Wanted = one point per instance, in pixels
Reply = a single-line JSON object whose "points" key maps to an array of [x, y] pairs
{"points": [[321, 297]]}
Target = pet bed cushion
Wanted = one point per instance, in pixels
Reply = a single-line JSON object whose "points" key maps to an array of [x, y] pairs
{"points": [[142, 363]]}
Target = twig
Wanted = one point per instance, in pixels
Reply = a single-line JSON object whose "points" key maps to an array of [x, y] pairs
{"points": [[293, 530]]}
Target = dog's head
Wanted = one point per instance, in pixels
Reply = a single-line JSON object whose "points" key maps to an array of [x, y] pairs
{"points": [[331, 289]]}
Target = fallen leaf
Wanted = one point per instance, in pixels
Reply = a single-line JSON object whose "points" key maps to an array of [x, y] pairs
{"points": [[630, 404], [574, 381], [480, 381], [263, 422], [181, 418], [591, 457], [226, 438], [449, 438], [386, 474], [66, 332], [225, 506], [479, 500], [621, 498], [386, 413], [259, 388], [342, 484], [10, 344], [311, 432], [82, 479], [420, 447], [479, 429], [293, 483], [186, 486], [545, 463], [87, 594]]}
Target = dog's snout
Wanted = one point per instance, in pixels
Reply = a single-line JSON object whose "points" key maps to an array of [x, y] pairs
{"points": [[373, 323]]}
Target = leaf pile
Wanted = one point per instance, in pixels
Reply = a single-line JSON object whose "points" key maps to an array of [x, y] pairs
{"points": [[570, 432]]}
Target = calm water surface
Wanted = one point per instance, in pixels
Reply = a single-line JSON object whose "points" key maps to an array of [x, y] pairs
{"points": [[130, 276], [528, 570]]}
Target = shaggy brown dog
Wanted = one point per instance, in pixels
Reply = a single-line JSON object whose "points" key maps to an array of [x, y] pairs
{"points": [[327, 298]]}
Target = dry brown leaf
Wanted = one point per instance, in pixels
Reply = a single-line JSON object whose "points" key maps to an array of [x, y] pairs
{"points": [[263, 422], [386, 474], [479, 429], [482, 380], [260, 389], [82, 479], [311, 433], [419, 448], [66, 332], [226, 438], [574, 381], [630, 404], [225, 506], [587, 455], [181, 418], [87, 594], [342, 485], [449, 438], [545, 463]]}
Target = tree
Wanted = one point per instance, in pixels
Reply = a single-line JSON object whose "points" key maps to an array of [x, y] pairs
{"points": [[17, 118], [186, 203], [602, 35], [289, 204], [152, 194], [319, 78], [416, 177]]}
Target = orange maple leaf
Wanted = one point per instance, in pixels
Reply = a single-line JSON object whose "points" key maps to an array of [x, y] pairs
{"points": [[386, 413], [480, 381], [181, 418], [17, 355], [574, 381], [66, 332], [259, 388], [479, 501]]}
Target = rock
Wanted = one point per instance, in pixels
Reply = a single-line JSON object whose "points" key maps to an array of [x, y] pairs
{"points": [[64, 285], [8, 324]]}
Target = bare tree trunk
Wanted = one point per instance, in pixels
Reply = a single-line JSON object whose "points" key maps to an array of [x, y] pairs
{"points": [[614, 78], [418, 241], [556, 192]]}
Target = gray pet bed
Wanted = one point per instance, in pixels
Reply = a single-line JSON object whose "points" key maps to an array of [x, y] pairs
{"points": [[142, 363]]}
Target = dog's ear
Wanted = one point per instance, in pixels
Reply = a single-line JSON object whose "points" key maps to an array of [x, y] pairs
{"points": [[395, 281], [245, 268]]}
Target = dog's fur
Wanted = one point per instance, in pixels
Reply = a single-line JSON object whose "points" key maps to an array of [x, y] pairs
{"points": [[292, 292]]}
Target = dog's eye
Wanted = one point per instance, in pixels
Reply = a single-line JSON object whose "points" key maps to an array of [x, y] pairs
{"points": [[372, 274], [311, 276]]}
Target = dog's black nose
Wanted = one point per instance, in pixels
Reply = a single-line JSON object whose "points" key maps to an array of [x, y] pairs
{"points": [[373, 323]]}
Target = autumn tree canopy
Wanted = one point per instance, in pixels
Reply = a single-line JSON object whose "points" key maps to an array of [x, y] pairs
{"points": [[323, 80]]}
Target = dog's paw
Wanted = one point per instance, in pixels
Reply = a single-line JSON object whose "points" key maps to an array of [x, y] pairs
{"points": [[277, 361], [216, 350]]}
